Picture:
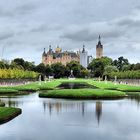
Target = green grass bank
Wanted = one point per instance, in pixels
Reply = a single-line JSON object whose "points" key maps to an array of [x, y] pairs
{"points": [[36, 86], [8, 113], [82, 94]]}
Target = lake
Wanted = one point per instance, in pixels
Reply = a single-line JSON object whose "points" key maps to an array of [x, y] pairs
{"points": [[59, 119]]}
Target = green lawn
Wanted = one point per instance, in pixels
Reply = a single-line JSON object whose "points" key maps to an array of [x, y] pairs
{"points": [[112, 86], [31, 87], [82, 93], [8, 113], [36, 86], [7, 90]]}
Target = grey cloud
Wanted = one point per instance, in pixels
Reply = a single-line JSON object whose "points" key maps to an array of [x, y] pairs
{"points": [[26, 8], [91, 33], [35, 24], [129, 22], [6, 35], [5, 13]]}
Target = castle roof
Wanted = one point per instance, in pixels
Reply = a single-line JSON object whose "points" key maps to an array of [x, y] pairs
{"points": [[58, 53], [61, 54]]}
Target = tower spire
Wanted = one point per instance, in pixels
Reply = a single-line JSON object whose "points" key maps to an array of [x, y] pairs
{"points": [[99, 48], [49, 47], [83, 48], [44, 53], [99, 38]]}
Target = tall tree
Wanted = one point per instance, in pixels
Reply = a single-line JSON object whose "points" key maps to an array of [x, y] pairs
{"points": [[58, 70], [76, 67], [120, 62], [98, 65]]}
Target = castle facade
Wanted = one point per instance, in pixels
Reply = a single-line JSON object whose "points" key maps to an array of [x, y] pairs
{"points": [[64, 57], [59, 56]]}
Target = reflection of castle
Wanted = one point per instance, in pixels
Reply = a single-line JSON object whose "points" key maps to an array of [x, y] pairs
{"points": [[59, 107], [64, 57], [98, 110]]}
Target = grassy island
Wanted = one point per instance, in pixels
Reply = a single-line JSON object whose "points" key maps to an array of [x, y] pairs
{"points": [[82, 94], [8, 113]]}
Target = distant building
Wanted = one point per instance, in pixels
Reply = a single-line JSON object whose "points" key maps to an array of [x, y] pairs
{"points": [[58, 55], [64, 57], [99, 49], [84, 58]]}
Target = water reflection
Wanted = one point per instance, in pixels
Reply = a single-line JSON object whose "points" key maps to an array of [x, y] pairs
{"points": [[58, 107], [58, 119], [74, 85], [98, 111], [135, 98]]}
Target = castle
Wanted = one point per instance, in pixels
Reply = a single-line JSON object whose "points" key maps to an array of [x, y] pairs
{"points": [[64, 57], [59, 56]]}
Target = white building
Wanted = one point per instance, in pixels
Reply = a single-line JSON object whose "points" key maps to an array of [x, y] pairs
{"points": [[84, 57]]}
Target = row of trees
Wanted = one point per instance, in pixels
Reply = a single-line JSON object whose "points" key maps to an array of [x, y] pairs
{"points": [[98, 67], [107, 67], [125, 74], [57, 70], [17, 63], [17, 74], [60, 71]]}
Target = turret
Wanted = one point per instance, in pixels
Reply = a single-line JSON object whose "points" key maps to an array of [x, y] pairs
{"points": [[44, 53], [44, 56]]}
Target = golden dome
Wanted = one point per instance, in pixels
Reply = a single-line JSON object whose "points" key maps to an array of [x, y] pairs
{"points": [[58, 50]]}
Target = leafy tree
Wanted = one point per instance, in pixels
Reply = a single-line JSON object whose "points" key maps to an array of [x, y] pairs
{"points": [[84, 73], [120, 62], [109, 69], [18, 62], [136, 66], [48, 70], [76, 67], [58, 70], [126, 67], [2, 65], [98, 65], [41, 68]]}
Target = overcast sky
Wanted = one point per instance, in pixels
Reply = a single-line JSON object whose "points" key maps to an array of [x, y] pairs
{"points": [[28, 26]]}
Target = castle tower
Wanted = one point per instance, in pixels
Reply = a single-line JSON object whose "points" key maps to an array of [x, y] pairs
{"points": [[84, 57], [44, 56], [99, 49]]}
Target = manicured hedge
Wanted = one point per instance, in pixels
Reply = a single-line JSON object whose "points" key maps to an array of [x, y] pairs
{"points": [[126, 74], [16, 74]]}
